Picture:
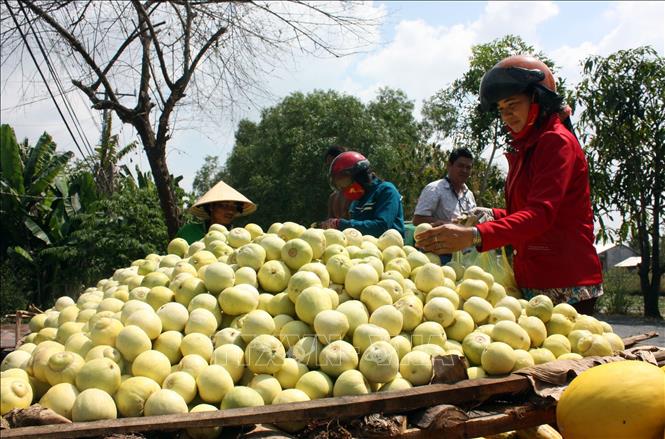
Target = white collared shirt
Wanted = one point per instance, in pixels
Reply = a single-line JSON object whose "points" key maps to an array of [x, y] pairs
{"points": [[439, 200]]}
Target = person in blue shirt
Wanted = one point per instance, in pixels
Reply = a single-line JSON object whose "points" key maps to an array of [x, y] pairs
{"points": [[376, 204]]}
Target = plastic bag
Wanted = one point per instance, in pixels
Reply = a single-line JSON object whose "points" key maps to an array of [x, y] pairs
{"points": [[461, 260], [500, 268], [496, 263], [472, 257]]}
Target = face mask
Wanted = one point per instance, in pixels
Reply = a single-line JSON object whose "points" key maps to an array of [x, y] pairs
{"points": [[354, 191]]}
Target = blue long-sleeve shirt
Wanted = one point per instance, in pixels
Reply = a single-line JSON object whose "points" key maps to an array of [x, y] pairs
{"points": [[380, 209]]}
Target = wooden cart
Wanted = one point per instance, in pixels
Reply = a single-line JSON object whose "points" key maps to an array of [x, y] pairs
{"points": [[464, 409]]}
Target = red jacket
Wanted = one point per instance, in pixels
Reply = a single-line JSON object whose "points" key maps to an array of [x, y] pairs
{"points": [[548, 219]]}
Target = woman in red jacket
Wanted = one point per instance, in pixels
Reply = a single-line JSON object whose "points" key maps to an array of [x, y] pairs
{"points": [[548, 218]]}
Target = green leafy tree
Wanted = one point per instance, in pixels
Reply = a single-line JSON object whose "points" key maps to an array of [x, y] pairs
{"points": [[404, 159], [40, 205], [59, 232], [454, 114], [112, 233], [278, 162], [623, 96], [207, 176]]}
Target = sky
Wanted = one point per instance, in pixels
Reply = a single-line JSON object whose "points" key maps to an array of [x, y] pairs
{"points": [[420, 48]]}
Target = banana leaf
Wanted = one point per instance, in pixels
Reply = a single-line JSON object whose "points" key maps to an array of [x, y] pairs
{"points": [[37, 231], [38, 157], [11, 167]]}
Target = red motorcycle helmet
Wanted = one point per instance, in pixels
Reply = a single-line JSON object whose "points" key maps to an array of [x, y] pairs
{"points": [[350, 163], [514, 75], [345, 169]]}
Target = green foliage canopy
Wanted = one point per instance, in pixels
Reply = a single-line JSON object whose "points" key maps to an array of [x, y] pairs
{"points": [[623, 96], [278, 163], [60, 232]]}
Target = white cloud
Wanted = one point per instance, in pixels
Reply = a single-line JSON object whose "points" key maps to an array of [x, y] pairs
{"points": [[521, 18], [423, 58], [635, 24], [420, 60], [568, 60]]}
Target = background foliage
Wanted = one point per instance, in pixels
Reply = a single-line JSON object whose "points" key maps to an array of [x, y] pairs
{"points": [[624, 129], [67, 224], [278, 162], [64, 234]]}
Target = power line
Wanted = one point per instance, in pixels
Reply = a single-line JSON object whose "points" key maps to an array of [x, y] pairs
{"points": [[36, 101], [36, 197], [64, 65], [41, 74], [58, 83]]}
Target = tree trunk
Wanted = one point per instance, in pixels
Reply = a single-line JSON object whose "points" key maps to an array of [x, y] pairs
{"points": [[652, 296], [161, 176], [164, 185], [645, 287]]}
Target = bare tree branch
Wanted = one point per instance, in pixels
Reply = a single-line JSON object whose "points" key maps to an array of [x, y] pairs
{"points": [[75, 44], [187, 34], [116, 56], [155, 41], [212, 54], [180, 85]]}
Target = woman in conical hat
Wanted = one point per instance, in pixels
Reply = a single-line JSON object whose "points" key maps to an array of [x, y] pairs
{"points": [[220, 205]]}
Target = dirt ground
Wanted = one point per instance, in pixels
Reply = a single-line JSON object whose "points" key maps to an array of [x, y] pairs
{"points": [[625, 326]]}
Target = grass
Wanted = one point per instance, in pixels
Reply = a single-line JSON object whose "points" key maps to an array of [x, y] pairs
{"points": [[623, 294]]}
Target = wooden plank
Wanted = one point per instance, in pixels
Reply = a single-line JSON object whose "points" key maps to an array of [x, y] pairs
{"points": [[417, 433], [510, 418], [629, 342], [438, 417], [660, 358], [341, 407], [525, 417]]}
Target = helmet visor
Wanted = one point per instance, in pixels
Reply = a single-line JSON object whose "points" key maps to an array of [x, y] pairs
{"points": [[341, 181], [501, 83]]}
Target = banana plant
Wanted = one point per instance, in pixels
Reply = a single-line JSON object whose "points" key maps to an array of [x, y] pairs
{"points": [[109, 154], [28, 189]]}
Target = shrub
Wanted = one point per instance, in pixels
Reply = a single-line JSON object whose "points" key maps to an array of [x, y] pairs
{"points": [[620, 288]]}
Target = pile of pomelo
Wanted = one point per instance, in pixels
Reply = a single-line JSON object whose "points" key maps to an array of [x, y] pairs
{"points": [[246, 318]]}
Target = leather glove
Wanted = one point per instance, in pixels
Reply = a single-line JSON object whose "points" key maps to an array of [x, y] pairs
{"points": [[330, 223], [482, 214]]}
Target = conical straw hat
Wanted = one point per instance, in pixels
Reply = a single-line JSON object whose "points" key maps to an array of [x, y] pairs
{"points": [[219, 193]]}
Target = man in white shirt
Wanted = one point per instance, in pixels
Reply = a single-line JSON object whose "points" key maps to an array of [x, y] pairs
{"points": [[444, 200]]}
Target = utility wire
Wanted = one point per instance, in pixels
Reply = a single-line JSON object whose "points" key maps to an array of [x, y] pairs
{"points": [[66, 100], [41, 74], [36, 101], [58, 83], [87, 107], [36, 197]]}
